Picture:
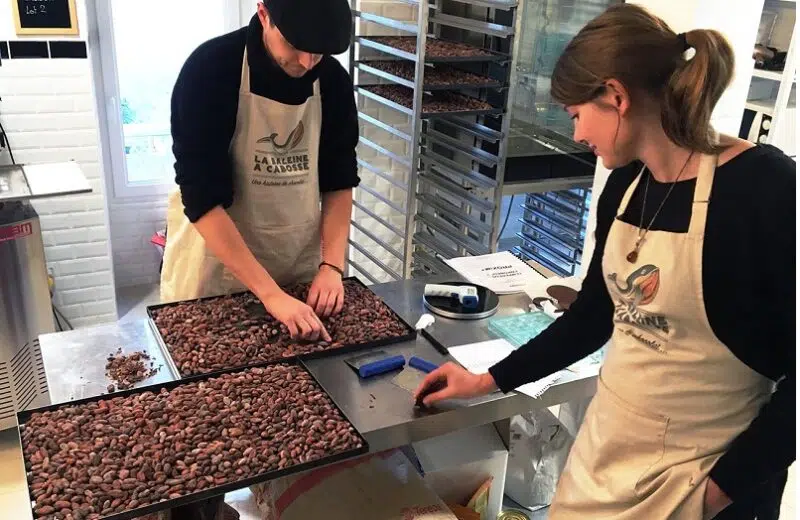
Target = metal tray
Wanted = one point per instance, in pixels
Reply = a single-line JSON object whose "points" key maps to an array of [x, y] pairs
{"points": [[548, 222], [564, 218], [366, 41], [364, 91], [410, 335], [564, 244], [367, 65], [546, 256], [24, 416], [525, 255]]}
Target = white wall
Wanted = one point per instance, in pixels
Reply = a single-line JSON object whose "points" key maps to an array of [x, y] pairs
{"points": [[247, 8], [133, 222], [48, 110], [738, 21]]}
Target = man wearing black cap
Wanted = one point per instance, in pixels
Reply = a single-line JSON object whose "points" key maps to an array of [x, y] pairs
{"points": [[265, 128]]}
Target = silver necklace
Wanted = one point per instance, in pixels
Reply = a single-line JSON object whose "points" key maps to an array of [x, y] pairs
{"points": [[634, 254]]}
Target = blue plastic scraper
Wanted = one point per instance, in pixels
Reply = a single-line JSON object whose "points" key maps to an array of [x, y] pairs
{"points": [[375, 363]]}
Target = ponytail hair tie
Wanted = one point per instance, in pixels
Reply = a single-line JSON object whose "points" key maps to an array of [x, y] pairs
{"points": [[684, 44]]}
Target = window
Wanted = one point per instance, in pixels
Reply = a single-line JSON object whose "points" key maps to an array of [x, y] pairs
{"points": [[143, 45]]}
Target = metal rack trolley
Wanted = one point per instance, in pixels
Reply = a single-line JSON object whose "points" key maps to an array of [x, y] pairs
{"points": [[455, 165], [456, 155]]}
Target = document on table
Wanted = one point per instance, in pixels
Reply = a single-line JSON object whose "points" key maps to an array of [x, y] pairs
{"points": [[501, 272], [478, 357]]}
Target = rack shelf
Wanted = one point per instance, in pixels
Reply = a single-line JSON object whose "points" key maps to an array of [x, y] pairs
{"points": [[451, 75], [442, 77], [774, 75], [438, 104], [386, 22], [436, 50]]}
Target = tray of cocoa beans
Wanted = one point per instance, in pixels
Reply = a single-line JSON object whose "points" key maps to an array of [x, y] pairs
{"points": [[149, 449], [439, 77], [434, 104], [436, 49], [208, 335]]}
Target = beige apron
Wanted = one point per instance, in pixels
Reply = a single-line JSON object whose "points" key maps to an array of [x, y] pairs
{"points": [[276, 203], [671, 397]]}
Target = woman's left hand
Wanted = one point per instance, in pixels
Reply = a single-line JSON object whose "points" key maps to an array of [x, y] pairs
{"points": [[715, 500], [326, 295]]}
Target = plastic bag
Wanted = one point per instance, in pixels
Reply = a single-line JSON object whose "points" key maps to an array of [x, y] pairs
{"points": [[539, 446]]}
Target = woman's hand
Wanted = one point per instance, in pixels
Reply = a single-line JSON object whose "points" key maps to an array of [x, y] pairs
{"points": [[458, 383], [298, 317], [326, 294], [715, 500]]}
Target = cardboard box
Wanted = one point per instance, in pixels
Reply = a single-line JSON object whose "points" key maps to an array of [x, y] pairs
{"points": [[455, 465]]}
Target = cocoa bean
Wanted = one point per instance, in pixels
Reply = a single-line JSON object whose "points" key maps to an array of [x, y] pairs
{"points": [[208, 335], [272, 417]]}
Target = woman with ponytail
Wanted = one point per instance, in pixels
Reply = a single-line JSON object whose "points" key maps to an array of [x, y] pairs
{"points": [[692, 281]]}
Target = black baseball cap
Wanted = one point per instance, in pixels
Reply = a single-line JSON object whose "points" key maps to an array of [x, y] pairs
{"points": [[315, 26]]}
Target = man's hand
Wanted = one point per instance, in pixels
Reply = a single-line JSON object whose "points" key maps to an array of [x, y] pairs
{"points": [[326, 295], [715, 500], [298, 317]]}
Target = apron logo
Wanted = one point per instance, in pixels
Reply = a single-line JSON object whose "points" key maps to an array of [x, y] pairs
{"points": [[291, 142], [283, 158], [639, 289]]}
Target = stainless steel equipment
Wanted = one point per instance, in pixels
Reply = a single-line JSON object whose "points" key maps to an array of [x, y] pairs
{"points": [[25, 307], [449, 307], [381, 410]]}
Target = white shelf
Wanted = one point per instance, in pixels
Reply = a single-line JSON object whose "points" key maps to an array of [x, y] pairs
{"points": [[766, 106], [767, 74], [773, 75]]}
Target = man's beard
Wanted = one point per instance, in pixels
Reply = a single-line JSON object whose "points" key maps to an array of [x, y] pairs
{"points": [[295, 71]]}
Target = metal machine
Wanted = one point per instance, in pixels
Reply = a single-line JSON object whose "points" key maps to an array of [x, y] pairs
{"points": [[25, 306]]}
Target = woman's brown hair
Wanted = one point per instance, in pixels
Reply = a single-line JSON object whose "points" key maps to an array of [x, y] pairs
{"points": [[639, 50]]}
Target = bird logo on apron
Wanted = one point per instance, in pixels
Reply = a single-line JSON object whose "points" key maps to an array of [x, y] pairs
{"points": [[282, 159], [639, 289]]}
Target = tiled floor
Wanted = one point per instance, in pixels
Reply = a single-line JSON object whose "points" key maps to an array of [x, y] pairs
{"points": [[132, 303]]}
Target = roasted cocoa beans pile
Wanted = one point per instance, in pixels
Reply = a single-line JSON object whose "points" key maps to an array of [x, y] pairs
{"points": [[235, 331], [117, 454], [433, 48], [439, 76], [125, 370], [431, 103]]}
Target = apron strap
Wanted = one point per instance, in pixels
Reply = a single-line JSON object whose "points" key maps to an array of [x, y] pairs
{"points": [[623, 204], [244, 85], [702, 194], [316, 87]]}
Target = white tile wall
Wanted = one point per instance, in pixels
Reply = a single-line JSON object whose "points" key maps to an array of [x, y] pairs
{"points": [[48, 110], [133, 222]]}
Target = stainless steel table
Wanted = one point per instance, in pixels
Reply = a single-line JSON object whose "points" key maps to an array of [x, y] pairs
{"points": [[383, 411], [75, 365], [74, 362]]}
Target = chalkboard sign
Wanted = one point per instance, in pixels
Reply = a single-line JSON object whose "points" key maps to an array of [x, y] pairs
{"points": [[45, 16]]}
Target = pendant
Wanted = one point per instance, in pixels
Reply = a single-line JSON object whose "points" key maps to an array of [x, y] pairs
{"points": [[633, 256]]}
